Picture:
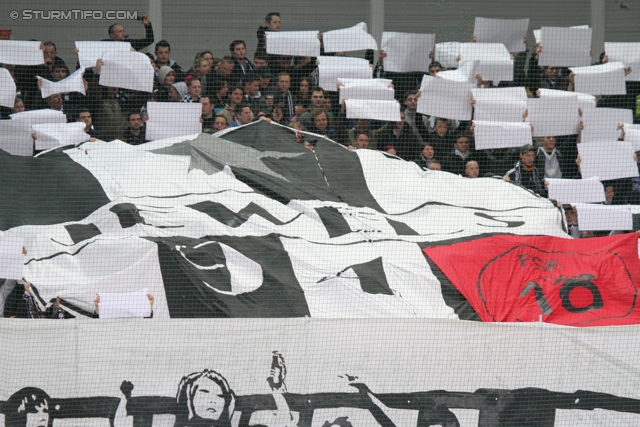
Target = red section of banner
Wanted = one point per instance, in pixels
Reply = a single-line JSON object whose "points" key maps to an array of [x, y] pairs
{"points": [[578, 282]]}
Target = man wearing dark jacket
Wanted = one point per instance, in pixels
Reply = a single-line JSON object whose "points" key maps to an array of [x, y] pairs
{"points": [[116, 33], [455, 162], [271, 23], [525, 172], [551, 162], [163, 53]]}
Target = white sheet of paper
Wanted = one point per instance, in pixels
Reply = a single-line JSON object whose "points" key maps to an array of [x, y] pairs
{"points": [[89, 52], [585, 101], [501, 134], [36, 117], [601, 124], [407, 52], [18, 52], [603, 217], [509, 32], [374, 110], [570, 191], [52, 135], [494, 60], [16, 137], [128, 70], [18, 130], [7, 89], [169, 119], [628, 54], [332, 68], [553, 115], [11, 257], [500, 104], [446, 53], [565, 47], [133, 304], [605, 79], [607, 160], [73, 83], [296, 43], [349, 39], [366, 89], [632, 136], [445, 98], [465, 73], [381, 82], [537, 34]]}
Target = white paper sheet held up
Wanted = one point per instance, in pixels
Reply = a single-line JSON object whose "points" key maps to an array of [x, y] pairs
{"points": [[349, 39], [628, 54], [585, 101], [605, 79], [128, 70], [379, 82], [407, 52], [608, 160], [133, 304], [36, 117], [89, 52], [570, 191], [509, 32], [332, 68], [18, 52], [52, 135], [632, 135], [7, 89], [16, 137], [537, 34], [296, 43], [501, 134], [445, 98], [73, 83], [11, 257], [554, 115], [367, 89], [447, 53], [465, 73], [494, 60], [602, 124], [18, 130], [565, 47], [388, 111], [500, 104], [603, 217], [168, 119]]}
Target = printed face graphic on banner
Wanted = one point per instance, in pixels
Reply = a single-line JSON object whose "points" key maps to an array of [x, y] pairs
{"points": [[40, 418], [208, 400]]}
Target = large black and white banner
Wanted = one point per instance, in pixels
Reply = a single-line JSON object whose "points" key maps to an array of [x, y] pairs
{"points": [[316, 372], [249, 224]]}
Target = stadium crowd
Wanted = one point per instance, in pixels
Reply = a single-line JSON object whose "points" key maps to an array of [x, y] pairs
{"points": [[234, 90]]}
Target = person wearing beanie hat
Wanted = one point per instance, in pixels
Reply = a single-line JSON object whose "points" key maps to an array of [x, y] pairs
{"points": [[166, 76], [525, 173]]}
